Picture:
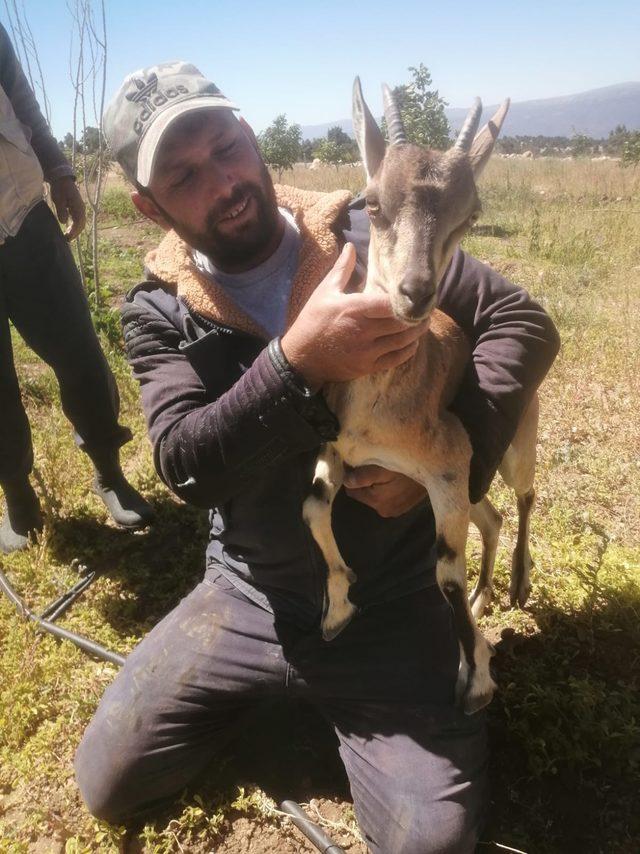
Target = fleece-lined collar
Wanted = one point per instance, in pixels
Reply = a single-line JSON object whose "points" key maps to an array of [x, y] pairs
{"points": [[315, 215]]}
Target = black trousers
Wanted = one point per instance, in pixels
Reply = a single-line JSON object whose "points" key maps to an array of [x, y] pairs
{"points": [[416, 764], [42, 295]]}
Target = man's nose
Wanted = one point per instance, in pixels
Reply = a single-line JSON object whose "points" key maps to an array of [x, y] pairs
{"points": [[217, 180]]}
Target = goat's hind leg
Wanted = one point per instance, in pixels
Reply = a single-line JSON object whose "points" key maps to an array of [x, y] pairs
{"points": [[327, 480], [489, 522], [518, 471]]}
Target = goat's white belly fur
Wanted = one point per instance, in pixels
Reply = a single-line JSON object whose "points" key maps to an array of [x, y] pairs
{"points": [[367, 425]]}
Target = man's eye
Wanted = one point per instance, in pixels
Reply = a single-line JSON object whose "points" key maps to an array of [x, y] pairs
{"points": [[183, 179]]}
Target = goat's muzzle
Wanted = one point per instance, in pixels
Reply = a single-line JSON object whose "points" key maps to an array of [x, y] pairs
{"points": [[417, 296]]}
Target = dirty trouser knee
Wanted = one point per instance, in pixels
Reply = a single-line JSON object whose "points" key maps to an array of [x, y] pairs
{"points": [[180, 696], [43, 296], [417, 775], [416, 765]]}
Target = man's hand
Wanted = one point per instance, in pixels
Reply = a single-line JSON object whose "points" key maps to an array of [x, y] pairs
{"points": [[68, 202], [340, 336], [387, 492]]}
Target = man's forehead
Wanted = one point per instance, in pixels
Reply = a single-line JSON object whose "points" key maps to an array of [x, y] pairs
{"points": [[175, 143]]}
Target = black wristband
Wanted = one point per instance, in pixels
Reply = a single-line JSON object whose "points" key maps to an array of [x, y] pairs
{"points": [[310, 404], [291, 377]]}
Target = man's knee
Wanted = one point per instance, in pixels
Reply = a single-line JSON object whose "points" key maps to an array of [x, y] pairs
{"points": [[101, 782], [443, 829]]}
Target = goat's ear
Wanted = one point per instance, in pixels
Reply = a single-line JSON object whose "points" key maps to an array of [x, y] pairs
{"points": [[484, 141], [368, 135]]}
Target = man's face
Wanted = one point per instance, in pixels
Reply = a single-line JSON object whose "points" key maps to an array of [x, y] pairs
{"points": [[213, 188]]}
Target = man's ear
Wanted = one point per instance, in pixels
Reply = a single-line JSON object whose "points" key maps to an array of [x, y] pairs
{"points": [[248, 131], [148, 208]]}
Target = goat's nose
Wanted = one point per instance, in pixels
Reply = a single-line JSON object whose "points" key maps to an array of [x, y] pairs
{"points": [[418, 290]]}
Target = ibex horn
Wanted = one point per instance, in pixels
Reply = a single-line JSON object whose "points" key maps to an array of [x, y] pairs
{"points": [[470, 126], [397, 134]]}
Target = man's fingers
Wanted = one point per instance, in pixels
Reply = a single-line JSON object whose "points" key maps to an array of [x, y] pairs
{"points": [[344, 266], [398, 339], [74, 231], [78, 220], [395, 358], [377, 305], [62, 211]]}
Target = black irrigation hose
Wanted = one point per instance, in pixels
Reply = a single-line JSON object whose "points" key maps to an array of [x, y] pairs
{"points": [[314, 834], [83, 643]]}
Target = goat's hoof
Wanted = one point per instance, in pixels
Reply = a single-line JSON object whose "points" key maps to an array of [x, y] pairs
{"points": [[480, 600], [337, 618], [478, 694], [519, 595]]}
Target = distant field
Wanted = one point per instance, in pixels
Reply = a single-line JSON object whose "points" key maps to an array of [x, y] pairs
{"points": [[565, 724]]}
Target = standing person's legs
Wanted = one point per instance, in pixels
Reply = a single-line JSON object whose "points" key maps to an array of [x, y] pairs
{"points": [[16, 453], [47, 304], [182, 693], [21, 515]]}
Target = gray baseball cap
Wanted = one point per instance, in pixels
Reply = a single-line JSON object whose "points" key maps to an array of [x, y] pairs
{"points": [[145, 107]]}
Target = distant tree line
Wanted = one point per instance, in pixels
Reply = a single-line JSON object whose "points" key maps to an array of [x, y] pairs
{"points": [[422, 110], [621, 143], [89, 142]]}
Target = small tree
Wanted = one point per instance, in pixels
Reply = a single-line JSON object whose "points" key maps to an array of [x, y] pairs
{"points": [[337, 135], [330, 153], [422, 110], [348, 147], [581, 145], [91, 140], [88, 70], [631, 149], [617, 138], [281, 144]]}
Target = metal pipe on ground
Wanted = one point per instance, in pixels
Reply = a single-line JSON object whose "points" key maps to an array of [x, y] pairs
{"points": [[312, 831]]}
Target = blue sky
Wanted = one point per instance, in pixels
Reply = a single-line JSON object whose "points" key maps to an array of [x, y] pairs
{"points": [[300, 59]]}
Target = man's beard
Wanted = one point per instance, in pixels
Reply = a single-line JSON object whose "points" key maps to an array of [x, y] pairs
{"points": [[229, 251]]}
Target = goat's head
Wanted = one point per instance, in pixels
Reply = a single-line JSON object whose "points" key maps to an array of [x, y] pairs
{"points": [[421, 202]]}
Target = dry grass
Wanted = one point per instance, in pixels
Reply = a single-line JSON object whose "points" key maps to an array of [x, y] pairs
{"points": [[565, 724]]}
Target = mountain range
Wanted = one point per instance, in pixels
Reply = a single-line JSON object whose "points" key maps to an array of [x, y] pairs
{"points": [[594, 113]]}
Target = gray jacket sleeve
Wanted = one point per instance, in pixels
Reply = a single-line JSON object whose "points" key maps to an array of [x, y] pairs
{"points": [[12, 79]]}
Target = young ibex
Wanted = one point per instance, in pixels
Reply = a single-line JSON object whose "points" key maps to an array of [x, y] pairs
{"points": [[421, 203]]}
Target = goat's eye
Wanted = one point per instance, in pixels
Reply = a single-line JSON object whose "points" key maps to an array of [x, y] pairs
{"points": [[474, 218], [373, 207]]}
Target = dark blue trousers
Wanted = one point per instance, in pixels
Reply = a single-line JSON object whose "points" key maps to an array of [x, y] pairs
{"points": [[42, 295], [416, 765]]}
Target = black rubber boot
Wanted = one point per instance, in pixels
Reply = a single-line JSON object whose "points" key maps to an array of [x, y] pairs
{"points": [[21, 518], [126, 506]]}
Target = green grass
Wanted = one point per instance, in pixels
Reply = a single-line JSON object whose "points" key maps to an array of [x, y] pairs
{"points": [[117, 205], [565, 724]]}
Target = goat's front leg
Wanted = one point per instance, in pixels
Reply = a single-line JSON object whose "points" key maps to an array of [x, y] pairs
{"points": [[327, 480], [450, 502]]}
